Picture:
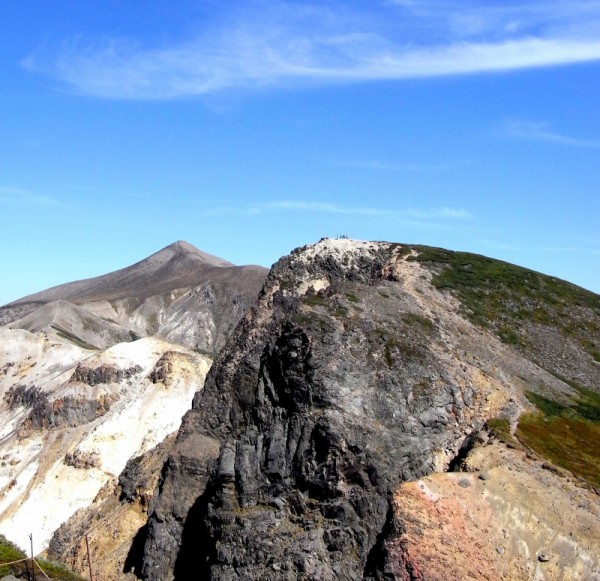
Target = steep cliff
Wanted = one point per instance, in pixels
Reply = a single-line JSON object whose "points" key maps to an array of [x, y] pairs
{"points": [[351, 374]]}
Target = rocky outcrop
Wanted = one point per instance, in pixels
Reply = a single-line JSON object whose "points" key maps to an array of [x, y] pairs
{"points": [[45, 413], [102, 374], [83, 460], [336, 387], [507, 517], [70, 422], [163, 369]]}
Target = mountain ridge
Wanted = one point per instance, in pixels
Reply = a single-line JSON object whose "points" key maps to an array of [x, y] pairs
{"points": [[179, 293], [352, 374]]}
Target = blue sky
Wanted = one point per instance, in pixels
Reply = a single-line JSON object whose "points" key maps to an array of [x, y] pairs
{"points": [[250, 128]]}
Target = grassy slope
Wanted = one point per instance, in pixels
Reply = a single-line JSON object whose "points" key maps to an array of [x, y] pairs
{"points": [[10, 553], [567, 434], [503, 298]]}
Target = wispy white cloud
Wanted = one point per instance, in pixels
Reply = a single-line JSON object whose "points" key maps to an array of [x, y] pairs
{"points": [[540, 131], [438, 214], [287, 45], [503, 19], [319, 207], [455, 213], [10, 195]]}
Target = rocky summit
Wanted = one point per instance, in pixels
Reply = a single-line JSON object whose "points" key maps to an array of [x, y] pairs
{"points": [[366, 366]]}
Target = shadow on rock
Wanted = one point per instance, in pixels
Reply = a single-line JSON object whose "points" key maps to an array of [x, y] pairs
{"points": [[193, 559]]}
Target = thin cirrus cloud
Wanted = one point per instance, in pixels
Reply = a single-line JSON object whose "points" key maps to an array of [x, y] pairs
{"points": [[438, 214], [504, 18], [289, 45], [541, 132], [18, 196]]}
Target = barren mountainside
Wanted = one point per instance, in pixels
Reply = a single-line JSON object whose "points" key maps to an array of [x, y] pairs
{"points": [[95, 377], [71, 421], [175, 266], [180, 294]]}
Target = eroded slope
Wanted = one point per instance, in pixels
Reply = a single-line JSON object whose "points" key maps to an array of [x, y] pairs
{"points": [[510, 516], [71, 419]]}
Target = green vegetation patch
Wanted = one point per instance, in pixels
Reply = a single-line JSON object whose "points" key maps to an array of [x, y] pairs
{"points": [[57, 571], [10, 553], [315, 300], [567, 442], [588, 404], [340, 312], [566, 434], [286, 283], [500, 428], [387, 353], [501, 296], [311, 320], [419, 320], [510, 336], [401, 249], [352, 298], [333, 304], [548, 407]]}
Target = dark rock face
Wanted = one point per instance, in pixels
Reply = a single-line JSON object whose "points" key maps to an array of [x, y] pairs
{"points": [[140, 474], [104, 374], [315, 410], [63, 412]]}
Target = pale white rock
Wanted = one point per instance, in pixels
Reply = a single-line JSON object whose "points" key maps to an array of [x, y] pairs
{"points": [[38, 489]]}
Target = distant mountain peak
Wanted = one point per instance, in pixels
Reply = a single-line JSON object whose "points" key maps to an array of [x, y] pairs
{"points": [[176, 266], [183, 248]]}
